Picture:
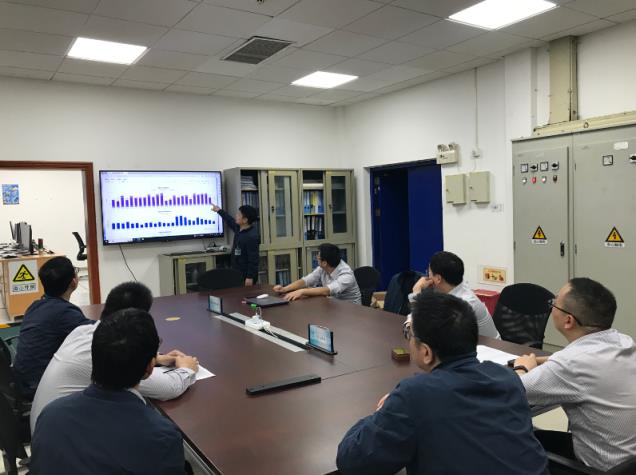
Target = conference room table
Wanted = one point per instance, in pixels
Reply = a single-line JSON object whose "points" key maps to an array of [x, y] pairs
{"points": [[293, 431]]}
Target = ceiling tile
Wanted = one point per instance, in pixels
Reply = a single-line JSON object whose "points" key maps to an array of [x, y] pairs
{"points": [[624, 17], [110, 29], [581, 29], [154, 86], [601, 9], [442, 34], [25, 73], [214, 81], [270, 7], [488, 44], [330, 13], [33, 42], [155, 12], [396, 74], [440, 8], [253, 85], [276, 98], [345, 43], [81, 6], [364, 85], [204, 91], [193, 42], [365, 96], [82, 79], [225, 68], [91, 68], [357, 67], [222, 21], [315, 101], [391, 22], [548, 23], [395, 53], [513, 49], [312, 60], [156, 75], [20, 59], [237, 94], [298, 33], [295, 91], [476, 63], [336, 95], [439, 60], [172, 60], [43, 20], [278, 74]]}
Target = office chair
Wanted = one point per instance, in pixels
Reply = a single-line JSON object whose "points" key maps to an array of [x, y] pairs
{"points": [[217, 279], [81, 255], [397, 294], [560, 465], [367, 278], [522, 313]]}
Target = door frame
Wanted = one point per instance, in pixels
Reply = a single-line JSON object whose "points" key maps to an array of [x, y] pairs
{"points": [[91, 222]]}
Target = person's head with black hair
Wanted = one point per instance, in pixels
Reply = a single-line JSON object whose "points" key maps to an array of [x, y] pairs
{"points": [[442, 327], [246, 216], [127, 295], [446, 271], [328, 256], [58, 277], [124, 349], [583, 306]]}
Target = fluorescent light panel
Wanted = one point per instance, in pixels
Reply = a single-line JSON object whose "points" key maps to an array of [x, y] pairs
{"points": [[495, 14], [323, 80], [105, 51]]}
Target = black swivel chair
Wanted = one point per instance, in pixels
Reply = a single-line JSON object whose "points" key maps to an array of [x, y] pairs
{"points": [[217, 279], [522, 313], [367, 278], [400, 286], [81, 255], [560, 465]]}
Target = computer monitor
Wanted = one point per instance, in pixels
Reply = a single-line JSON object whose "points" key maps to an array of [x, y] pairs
{"points": [[26, 241], [13, 237]]}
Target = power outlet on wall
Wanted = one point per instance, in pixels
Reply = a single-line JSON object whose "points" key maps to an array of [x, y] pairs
{"points": [[497, 207]]}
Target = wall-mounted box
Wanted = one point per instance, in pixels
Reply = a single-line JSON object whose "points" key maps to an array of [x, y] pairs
{"points": [[456, 189], [447, 154], [479, 187]]}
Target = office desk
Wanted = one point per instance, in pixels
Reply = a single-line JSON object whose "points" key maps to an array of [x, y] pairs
{"points": [[296, 431]]}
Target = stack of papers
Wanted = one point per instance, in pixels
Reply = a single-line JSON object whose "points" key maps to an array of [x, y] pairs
{"points": [[486, 353]]}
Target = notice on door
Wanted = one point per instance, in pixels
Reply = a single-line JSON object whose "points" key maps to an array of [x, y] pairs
{"points": [[24, 278], [539, 236], [614, 239]]}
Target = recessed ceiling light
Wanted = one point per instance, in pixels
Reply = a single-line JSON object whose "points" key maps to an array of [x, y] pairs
{"points": [[495, 14], [105, 51], [323, 80]]}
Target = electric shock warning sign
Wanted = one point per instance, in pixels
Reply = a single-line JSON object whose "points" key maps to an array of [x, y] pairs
{"points": [[614, 239], [539, 236], [24, 277]]}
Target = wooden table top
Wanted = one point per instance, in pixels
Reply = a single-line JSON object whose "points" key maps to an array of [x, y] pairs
{"points": [[295, 431]]}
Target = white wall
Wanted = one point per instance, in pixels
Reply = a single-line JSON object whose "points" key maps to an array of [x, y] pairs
{"points": [[40, 193], [133, 129]]}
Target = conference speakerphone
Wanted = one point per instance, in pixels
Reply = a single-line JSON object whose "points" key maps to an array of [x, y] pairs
{"points": [[284, 384]]}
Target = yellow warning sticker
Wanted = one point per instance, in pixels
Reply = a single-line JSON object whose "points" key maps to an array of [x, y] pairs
{"points": [[539, 236], [614, 239], [23, 275]]}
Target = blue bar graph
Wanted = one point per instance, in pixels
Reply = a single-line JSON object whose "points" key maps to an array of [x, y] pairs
{"points": [[178, 221]]}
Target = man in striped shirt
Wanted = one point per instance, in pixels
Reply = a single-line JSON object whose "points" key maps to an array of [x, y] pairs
{"points": [[592, 378], [70, 368]]}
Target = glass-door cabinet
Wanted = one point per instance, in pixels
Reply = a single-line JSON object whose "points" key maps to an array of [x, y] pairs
{"points": [[347, 254], [283, 266], [283, 211], [339, 205], [313, 196]]}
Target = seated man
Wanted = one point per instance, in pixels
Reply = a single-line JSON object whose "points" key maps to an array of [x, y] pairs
{"points": [[108, 428], [446, 275], [593, 378], [70, 368], [459, 416], [333, 277], [46, 323]]}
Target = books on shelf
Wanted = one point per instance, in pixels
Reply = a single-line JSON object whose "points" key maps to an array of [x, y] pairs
{"points": [[314, 227], [313, 202], [247, 183], [250, 199]]}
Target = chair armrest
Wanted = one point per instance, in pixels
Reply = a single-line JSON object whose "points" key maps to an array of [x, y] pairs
{"points": [[11, 338], [576, 466]]}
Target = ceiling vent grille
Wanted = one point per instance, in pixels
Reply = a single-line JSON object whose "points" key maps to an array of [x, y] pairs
{"points": [[257, 49]]}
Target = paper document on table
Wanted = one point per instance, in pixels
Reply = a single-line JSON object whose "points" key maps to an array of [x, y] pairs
{"points": [[486, 353], [203, 373]]}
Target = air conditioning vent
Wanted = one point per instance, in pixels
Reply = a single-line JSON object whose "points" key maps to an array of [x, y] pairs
{"points": [[257, 49]]}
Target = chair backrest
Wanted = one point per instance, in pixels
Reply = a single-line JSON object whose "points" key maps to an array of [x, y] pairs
{"points": [[217, 279], [522, 313], [7, 381], [81, 255], [628, 467], [367, 278], [397, 294]]}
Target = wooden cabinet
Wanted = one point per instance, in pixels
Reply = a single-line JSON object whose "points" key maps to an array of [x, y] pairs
{"points": [[179, 273]]}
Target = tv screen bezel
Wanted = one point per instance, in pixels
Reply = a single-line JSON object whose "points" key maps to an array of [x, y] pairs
{"points": [[158, 239]]}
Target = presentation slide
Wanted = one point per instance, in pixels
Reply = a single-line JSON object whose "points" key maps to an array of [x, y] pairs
{"points": [[140, 206]]}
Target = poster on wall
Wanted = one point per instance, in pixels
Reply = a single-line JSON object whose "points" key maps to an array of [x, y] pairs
{"points": [[11, 194]]}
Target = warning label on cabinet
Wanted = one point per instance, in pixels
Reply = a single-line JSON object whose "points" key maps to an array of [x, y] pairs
{"points": [[614, 239], [24, 277], [539, 236]]}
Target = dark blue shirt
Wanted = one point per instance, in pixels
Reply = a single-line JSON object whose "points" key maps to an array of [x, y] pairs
{"points": [[47, 322], [465, 417], [245, 247], [101, 431]]}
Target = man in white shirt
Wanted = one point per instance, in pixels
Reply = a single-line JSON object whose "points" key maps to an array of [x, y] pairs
{"points": [[593, 379], [69, 371], [446, 275], [333, 277]]}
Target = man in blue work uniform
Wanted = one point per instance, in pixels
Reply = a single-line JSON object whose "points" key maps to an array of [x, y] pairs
{"points": [[246, 243]]}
